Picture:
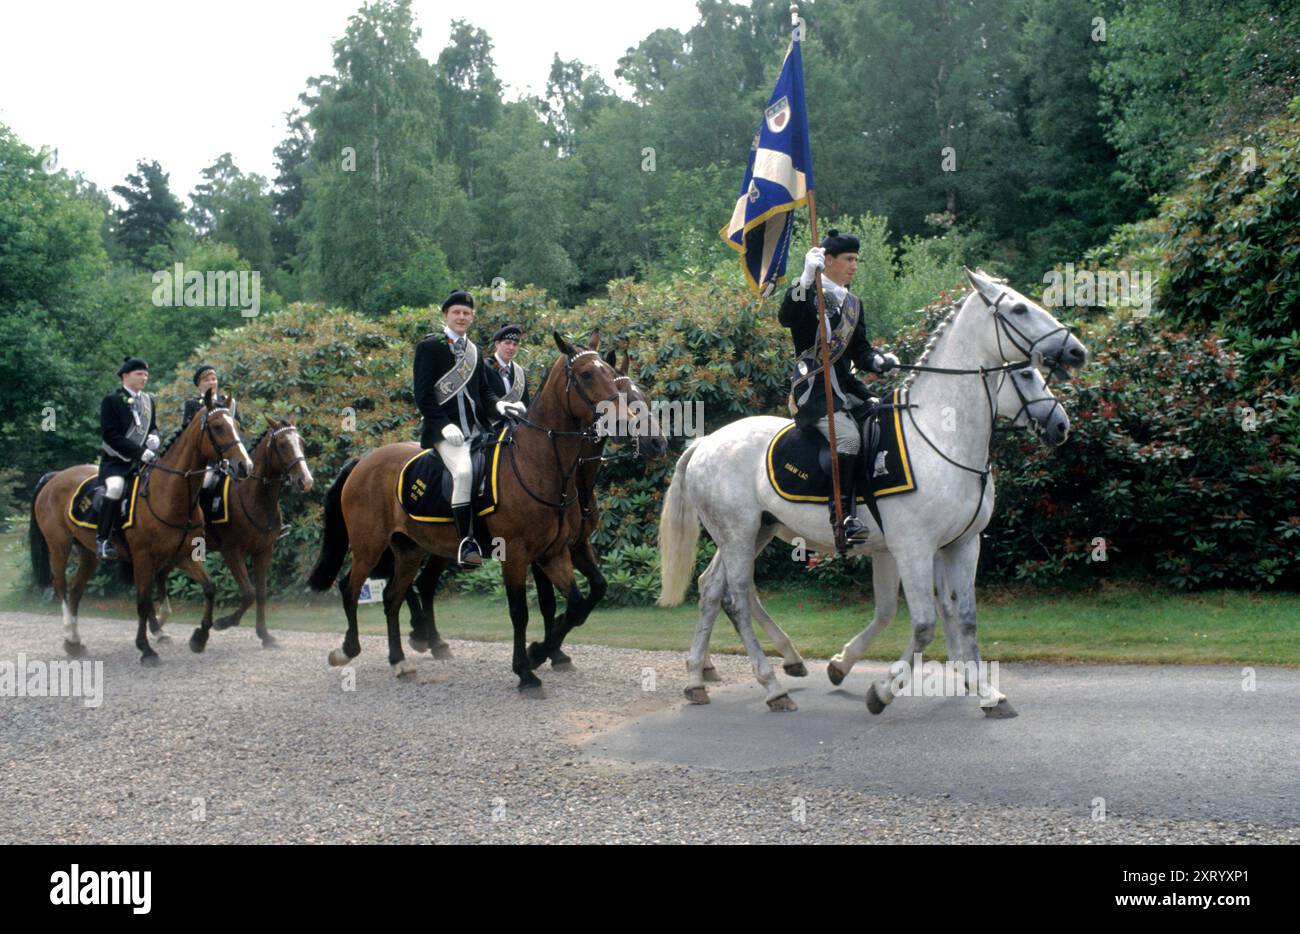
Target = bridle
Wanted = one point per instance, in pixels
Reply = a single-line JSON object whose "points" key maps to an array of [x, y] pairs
{"points": [[277, 463], [1034, 357], [147, 470]]}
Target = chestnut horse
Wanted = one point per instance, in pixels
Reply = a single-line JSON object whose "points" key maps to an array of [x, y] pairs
{"points": [[167, 524], [253, 521], [419, 598], [536, 483]]}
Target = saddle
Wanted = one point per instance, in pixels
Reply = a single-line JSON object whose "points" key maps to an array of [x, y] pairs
{"points": [[88, 499], [424, 483], [216, 502], [799, 462]]}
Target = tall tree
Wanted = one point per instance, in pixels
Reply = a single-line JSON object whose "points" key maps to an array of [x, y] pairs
{"points": [[150, 213]]}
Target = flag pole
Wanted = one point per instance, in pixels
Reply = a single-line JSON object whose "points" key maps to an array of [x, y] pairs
{"points": [[824, 330]]}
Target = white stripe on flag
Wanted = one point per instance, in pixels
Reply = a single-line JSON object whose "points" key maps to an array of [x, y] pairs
{"points": [[774, 166]]}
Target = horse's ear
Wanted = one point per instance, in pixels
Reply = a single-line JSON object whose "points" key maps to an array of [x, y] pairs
{"points": [[207, 398], [594, 341], [611, 357], [272, 423], [565, 347], [627, 362], [981, 283]]}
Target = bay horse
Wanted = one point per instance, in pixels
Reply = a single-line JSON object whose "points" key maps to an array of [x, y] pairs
{"points": [[535, 486], [166, 530], [721, 480], [649, 444], [253, 521]]}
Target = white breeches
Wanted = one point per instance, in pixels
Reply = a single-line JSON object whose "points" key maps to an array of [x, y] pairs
{"points": [[114, 487], [456, 458]]}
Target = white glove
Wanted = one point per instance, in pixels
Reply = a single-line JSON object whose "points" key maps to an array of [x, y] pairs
{"points": [[815, 260], [511, 408], [148, 456], [152, 442], [453, 434]]}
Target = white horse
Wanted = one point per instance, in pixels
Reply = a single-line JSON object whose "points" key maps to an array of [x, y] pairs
{"points": [[931, 535]]}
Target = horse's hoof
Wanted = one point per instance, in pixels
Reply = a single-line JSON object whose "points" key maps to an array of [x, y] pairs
{"points": [[338, 657], [417, 644], [225, 622], [874, 703], [74, 649], [697, 695], [161, 637], [530, 686], [564, 664], [441, 650], [797, 670], [711, 674], [536, 655], [1000, 711], [198, 641], [835, 674], [782, 703], [152, 660], [270, 642], [404, 669]]}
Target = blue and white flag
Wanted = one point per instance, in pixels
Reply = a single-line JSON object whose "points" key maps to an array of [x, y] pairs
{"points": [[777, 180]]}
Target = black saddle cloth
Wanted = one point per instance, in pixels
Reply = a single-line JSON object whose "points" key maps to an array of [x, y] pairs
{"points": [[424, 485], [216, 502], [799, 463], [88, 499]]}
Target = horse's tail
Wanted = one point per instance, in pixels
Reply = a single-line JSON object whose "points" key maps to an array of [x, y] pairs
{"points": [[334, 544], [37, 545], [679, 533]]}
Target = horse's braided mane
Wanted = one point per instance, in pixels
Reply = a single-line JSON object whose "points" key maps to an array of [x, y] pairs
{"points": [[938, 332]]}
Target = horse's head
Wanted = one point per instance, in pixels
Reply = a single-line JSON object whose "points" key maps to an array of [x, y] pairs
{"points": [[588, 381], [219, 436], [650, 443], [1023, 330], [1024, 398], [285, 455]]}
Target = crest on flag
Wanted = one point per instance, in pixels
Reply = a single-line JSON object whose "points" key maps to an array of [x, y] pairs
{"points": [[778, 115]]}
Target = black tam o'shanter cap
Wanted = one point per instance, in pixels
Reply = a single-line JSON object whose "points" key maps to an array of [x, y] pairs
{"points": [[458, 297], [203, 368], [836, 243], [507, 332], [131, 364]]}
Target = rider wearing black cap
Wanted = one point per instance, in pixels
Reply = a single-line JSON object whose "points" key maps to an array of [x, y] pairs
{"points": [[128, 436], [838, 257], [453, 394], [507, 378]]}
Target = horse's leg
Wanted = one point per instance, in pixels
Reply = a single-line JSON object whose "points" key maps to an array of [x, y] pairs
{"points": [[959, 574], [560, 570], [261, 569], [235, 559], [917, 573], [738, 563], [792, 661], [427, 583], [195, 571], [514, 572], [158, 620], [362, 563], [70, 598], [712, 586], [143, 607], [406, 565], [884, 585], [946, 603], [546, 604]]}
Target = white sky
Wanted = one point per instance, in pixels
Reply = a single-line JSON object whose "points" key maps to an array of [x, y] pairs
{"points": [[109, 83]]}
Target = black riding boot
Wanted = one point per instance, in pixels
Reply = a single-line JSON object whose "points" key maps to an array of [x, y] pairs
{"points": [[104, 533], [469, 555], [854, 531]]}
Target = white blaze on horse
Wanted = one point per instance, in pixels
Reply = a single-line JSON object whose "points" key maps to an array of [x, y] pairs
{"points": [[968, 373]]}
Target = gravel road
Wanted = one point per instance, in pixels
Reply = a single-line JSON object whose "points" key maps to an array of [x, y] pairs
{"points": [[243, 744]]}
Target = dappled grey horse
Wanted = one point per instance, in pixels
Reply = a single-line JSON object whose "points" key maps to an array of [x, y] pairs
{"points": [[932, 533]]}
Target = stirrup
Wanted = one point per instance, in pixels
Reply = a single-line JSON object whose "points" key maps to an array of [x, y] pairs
{"points": [[284, 531], [468, 554], [855, 533], [104, 550]]}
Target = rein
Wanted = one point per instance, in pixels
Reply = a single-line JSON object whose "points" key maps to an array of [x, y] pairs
{"points": [[147, 470], [276, 463]]}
